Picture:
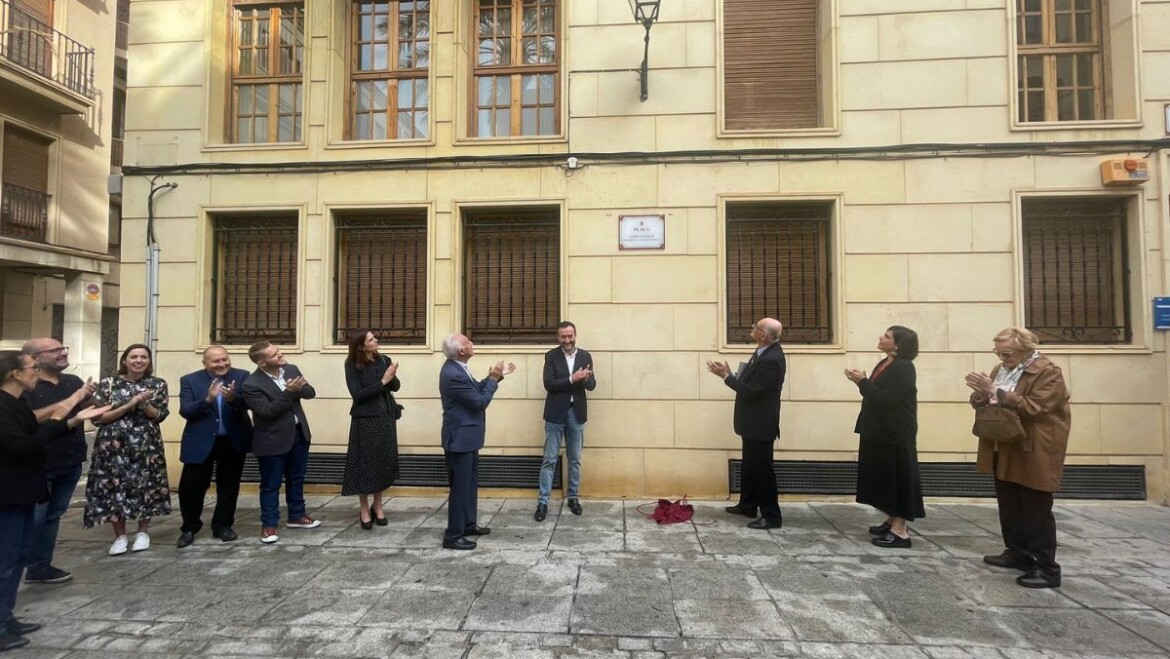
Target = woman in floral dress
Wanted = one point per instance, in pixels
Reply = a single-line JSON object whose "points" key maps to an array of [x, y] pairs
{"points": [[128, 470]]}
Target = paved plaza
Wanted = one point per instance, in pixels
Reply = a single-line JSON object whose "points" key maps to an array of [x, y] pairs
{"points": [[609, 584]]}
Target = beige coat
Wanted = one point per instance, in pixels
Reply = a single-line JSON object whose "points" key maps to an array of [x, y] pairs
{"points": [[1041, 400]]}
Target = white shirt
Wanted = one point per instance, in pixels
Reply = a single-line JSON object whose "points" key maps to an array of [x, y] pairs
{"points": [[279, 380], [572, 361]]}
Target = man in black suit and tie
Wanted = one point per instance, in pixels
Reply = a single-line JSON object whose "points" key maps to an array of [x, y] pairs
{"points": [[757, 422], [465, 402], [568, 374], [280, 441], [217, 436]]}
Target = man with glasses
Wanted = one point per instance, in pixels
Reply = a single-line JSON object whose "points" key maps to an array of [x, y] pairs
{"points": [[55, 392]]}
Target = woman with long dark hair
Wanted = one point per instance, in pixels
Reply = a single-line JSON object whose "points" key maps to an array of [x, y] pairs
{"points": [[128, 469], [371, 461], [887, 456]]}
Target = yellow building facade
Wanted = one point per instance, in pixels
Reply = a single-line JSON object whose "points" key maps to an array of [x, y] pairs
{"points": [[426, 168]]}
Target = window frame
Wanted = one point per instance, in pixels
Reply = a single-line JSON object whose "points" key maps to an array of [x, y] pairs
{"points": [[392, 74], [216, 277], [516, 72], [1049, 50], [274, 81]]}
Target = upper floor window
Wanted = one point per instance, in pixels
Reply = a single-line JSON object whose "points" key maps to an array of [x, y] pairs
{"points": [[1061, 74], [515, 78], [268, 47], [391, 52], [24, 174], [255, 279], [1075, 252], [772, 73], [778, 267], [382, 276]]}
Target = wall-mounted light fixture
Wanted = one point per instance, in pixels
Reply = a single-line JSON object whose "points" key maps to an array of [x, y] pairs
{"points": [[645, 12]]}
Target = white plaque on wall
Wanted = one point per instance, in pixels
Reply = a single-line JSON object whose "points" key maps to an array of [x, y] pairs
{"points": [[642, 232]]}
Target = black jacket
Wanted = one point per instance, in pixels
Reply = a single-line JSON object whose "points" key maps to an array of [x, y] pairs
{"points": [[22, 452], [366, 388], [273, 410], [889, 405], [560, 389], [757, 395]]}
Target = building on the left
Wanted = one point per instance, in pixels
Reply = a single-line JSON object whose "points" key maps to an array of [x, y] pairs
{"points": [[62, 94]]}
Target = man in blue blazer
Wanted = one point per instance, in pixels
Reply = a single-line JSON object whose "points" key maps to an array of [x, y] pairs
{"points": [[217, 436], [280, 441], [757, 389], [568, 374], [465, 402]]}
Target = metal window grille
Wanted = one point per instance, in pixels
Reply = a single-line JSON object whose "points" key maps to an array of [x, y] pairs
{"points": [[382, 277], [256, 280], [778, 267], [1075, 263]]}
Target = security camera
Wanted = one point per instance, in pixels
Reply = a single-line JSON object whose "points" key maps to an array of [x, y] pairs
{"points": [[571, 163]]}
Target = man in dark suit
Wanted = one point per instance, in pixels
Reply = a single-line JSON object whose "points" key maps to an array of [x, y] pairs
{"points": [[757, 421], [465, 402], [568, 374], [217, 436], [280, 440]]}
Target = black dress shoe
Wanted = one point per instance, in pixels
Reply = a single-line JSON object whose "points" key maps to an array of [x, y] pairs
{"points": [[366, 526], [541, 512], [462, 544], [11, 642], [1038, 579], [185, 539], [574, 506], [226, 534], [763, 523], [736, 510], [380, 521], [891, 541], [477, 530], [1010, 560], [880, 529], [21, 628]]}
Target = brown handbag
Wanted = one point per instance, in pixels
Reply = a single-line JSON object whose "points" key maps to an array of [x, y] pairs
{"points": [[998, 424]]}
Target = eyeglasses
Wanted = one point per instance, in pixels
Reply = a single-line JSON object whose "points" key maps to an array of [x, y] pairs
{"points": [[25, 368], [1006, 354], [52, 351]]}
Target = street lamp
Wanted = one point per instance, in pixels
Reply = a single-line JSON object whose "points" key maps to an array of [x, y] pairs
{"points": [[645, 12]]}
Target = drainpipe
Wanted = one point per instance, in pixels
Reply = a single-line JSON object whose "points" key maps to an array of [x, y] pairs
{"points": [[152, 262]]}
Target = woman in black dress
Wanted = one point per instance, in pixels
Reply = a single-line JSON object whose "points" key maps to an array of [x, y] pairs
{"points": [[887, 458], [371, 461]]}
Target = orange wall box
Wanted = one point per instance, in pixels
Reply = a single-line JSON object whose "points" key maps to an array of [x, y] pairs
{"points": [[1125, 171]]}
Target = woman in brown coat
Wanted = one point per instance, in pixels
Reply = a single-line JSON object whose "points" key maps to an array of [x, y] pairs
{"points": [[1029, 472]]}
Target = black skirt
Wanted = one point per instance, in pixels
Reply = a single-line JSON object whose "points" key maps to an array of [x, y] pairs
{"points": [[888, 478], [371, 461]]}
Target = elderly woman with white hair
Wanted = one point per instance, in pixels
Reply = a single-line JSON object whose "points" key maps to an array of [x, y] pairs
{"points": [[1028, 471]]}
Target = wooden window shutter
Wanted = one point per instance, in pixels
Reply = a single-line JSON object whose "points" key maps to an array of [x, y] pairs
{"points": [[26, 159], [257, 280], [1075, 284], [382, 278], [42, 10], [770, 64], [778, 267], [511, 276]]}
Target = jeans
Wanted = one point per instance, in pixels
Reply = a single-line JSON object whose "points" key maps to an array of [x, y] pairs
{"points": [[47, 517], [291, 467], [16, 527], [574, 434]]}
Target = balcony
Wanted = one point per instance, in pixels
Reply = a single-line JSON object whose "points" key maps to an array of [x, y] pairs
{"points": [[24, 213], [43, 65]]}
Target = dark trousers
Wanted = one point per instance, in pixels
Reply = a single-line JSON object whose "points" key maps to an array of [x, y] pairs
{"points": [[1027, 524], [463, 477], [291, 467], [228, 464], [758, 480], [47, 518], [16, 527]]}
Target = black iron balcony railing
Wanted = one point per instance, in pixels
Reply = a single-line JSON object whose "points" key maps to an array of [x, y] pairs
{"points": [[24, 213], [35, 46]]}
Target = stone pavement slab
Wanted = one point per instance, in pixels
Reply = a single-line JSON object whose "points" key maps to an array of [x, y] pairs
{"points": [[610, 583]]}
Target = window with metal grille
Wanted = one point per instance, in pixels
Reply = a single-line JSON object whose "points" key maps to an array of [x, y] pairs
{"points": [[255, 284], [1076, 288], [1060, 69], [382, 277], [770, 76], [778, 267], [515, 76], [390, 52], [268, 47], [24, 185], [511, 277]]}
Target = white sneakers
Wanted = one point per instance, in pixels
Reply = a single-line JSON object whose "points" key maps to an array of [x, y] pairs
{"points": [[121, 544], [141, 542]]}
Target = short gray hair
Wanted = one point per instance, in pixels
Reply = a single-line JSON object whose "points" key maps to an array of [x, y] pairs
{"points": [[451, 346]]}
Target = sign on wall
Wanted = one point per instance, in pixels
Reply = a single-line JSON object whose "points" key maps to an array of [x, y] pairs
{"points": [[641, 232]]}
